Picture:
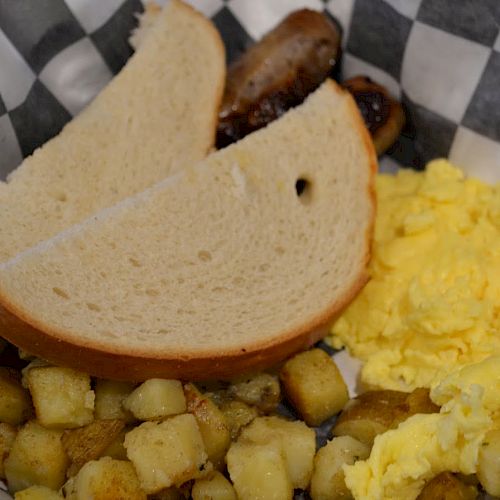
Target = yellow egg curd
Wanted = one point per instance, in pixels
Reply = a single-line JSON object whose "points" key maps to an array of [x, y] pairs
{"points": [[433, 301], [403, 459]]}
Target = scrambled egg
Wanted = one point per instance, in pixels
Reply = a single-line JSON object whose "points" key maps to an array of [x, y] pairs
{"points": [[403, 459], [433, 302]]}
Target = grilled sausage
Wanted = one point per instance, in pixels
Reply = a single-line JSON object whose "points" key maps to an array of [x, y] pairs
{"points": [[277, 73], [383, 115]]}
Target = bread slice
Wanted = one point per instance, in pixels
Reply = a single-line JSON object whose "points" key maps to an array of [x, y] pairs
{"points": [[219, 269], [145, 21], [156, 116]]}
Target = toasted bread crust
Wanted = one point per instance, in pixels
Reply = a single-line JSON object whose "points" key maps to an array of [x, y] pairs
{"points": [[33, 336]]}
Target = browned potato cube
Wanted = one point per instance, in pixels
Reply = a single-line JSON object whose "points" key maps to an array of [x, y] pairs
{"points": [[38, 493], [105, 479], [170, 494], [258, 471], [7, 435], [488, 467], [167, 453], [213, 487], [261, 390], [419, 401], [212, 423], [25, 355], [374, 412], [156, 398], [296, 440], [238, 414], [446, 486], [116, 449], [89, 443], [15, 405], [314, 385], [327, 481], [109, 396], [36, 457], [62, 397]]}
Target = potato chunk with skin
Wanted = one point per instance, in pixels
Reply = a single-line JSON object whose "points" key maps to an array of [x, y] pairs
{"points": [[62, 397], [36, 457], [7, 436], [314, 385], [37, 493], [297, 442], [261, 390], [116, 449], [446, 486], [109, 396], [374, 412], [156, 398], [89, 442], [167, 453], [213, 487], [488, 467], [258, 471], [105, 479], [211, 422], [238, 414], [169, 494], [327, 481], [15, 406]]}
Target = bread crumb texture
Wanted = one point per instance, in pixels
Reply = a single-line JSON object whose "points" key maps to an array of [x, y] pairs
{"points": [[223, 256], [156, 116]]}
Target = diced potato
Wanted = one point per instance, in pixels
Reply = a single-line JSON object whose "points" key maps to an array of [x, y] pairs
{"points": [[89, 443], [360, 426], [109, 396], [261, 390], [156, 398], [36, 457], [15, 406], [327, 481], [314, 385], [212, 423], [213, 487], [488, 467], [446, 486], [419, 401], [62, 397], [258, 471], [374, 412], [297, 441], [468, 479], [25, 355], [167, 453], [169, 494], [105, 479], [7, 436], [37, 493], [238, 414], [116, 449]]}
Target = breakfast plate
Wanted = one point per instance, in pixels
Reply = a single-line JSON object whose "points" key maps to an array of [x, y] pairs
{"points": [[62, 64]]}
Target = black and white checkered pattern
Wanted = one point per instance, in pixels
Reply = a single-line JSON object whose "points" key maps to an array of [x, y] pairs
{"points": [[440, 57], [55, 55]]}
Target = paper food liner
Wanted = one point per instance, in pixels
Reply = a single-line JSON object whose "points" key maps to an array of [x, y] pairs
{"points": [[440, 58]]}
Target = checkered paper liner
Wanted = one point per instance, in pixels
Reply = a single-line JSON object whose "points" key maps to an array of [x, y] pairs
{"points": [[441, 58]]}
